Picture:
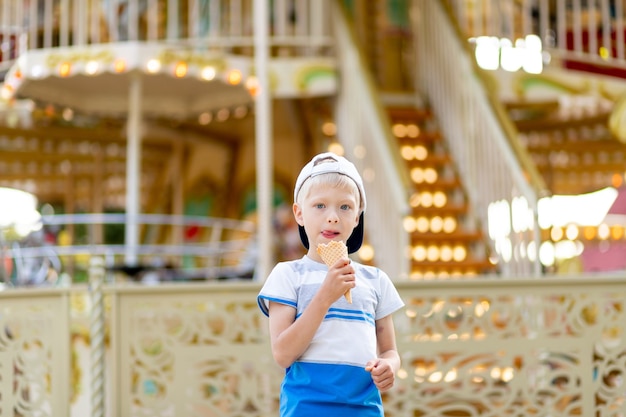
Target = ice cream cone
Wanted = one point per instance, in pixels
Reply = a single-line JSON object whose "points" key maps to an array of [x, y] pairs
{"points": [[330, 253]]}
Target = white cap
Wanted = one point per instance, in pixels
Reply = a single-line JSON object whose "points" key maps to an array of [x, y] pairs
{"points": [[340, 166], [333, 163]]}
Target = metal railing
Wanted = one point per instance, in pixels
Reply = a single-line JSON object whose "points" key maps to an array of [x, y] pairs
{"points": [[171, 248], [573, 31], [12, 43], [296, 27], [484, 347]]}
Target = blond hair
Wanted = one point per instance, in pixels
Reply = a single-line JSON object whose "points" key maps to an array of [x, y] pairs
{"points": [[331, 179]]}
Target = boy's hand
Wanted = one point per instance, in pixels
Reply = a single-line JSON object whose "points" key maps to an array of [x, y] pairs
{"points": [[382, 373], [339, 279]]}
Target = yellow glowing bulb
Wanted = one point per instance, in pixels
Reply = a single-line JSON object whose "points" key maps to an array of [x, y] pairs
{"points": [[617, 180], [6, 93], [617, 232], [409, 224], [64, 69], [252, 84], [399, 130], [571, 232], [430, 175], [421, 152], [603, 52], [589, 232], [208, 73], [412, 130], [234, 77], [366, 253], [181, 69], [153, 66], [603, 231], [556, 234], [119, 65], [407, 152], [336, 148], [92, 67], [329, 128]]}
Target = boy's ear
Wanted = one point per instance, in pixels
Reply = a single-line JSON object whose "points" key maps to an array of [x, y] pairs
{"points": [[297, 213]]}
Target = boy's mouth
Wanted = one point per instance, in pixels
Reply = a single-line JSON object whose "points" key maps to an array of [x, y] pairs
{"points": [[329, 234]]}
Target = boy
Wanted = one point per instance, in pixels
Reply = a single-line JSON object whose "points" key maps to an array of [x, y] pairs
{"points": [[338, 356]]}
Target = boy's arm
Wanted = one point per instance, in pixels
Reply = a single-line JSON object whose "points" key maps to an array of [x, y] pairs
{"points": [[384, 368], [291, 337]]}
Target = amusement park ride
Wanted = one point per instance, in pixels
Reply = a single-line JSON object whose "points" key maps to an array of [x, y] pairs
{"points": [[155, 115]]}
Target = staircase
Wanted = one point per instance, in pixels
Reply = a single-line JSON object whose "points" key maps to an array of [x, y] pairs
{"points": [[444, 241]]}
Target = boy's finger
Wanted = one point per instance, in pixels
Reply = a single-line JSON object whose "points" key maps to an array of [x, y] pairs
{"points": [[370, 366]]}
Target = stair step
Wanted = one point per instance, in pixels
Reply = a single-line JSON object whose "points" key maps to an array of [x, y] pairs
{"points": [[411, 114], [424, 137], [577, 146], [431, 160], [447, 210], [440, 185], [580, 168], [439, 238], [476, 264], [562, 123]]}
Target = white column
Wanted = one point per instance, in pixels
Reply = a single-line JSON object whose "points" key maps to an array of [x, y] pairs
{"points": [[264, 151], [133, 171]]}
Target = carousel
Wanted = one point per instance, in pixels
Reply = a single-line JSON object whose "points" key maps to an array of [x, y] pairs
{"points": [[148, 121]]}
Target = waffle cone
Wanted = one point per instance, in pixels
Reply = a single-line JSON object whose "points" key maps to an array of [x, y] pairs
{"points": [[330, 253]]}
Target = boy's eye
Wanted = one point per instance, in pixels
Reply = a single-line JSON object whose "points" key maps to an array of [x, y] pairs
{"points": [[345, 207], [319, 205]]}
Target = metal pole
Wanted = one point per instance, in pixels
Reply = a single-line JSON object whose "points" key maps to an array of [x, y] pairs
{"points": [[96, 337], [133, 160], [263, 125]]}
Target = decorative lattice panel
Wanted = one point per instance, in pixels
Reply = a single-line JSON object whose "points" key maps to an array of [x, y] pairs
{"points": [[511, 352], [197, 356], [34, 355]]}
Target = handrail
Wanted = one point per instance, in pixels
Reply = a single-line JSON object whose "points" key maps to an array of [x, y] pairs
{"points": [[535, 179], [365, 131]]}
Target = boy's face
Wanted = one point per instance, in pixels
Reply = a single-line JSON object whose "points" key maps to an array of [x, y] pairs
{"points": [[327, 213]]}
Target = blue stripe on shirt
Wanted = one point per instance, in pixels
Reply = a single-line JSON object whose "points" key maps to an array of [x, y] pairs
{"points": [[265, 309], [336, 313], [349, 317]]}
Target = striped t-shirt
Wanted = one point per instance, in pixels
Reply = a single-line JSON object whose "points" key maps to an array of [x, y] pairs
{"points": [[329, 379]]}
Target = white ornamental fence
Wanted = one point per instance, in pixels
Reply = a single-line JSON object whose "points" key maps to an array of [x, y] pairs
{"points": [[484, 347]]}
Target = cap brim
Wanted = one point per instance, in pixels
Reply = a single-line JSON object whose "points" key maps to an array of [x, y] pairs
{"points": [[354, 241]]}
